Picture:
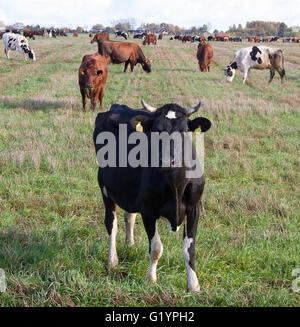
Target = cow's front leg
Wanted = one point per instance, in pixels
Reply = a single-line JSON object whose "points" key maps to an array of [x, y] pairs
{"points": [[245, 75], [7, 53], [155, 247], [129, 223], [189, 239], [125, 66], [111, 227]]}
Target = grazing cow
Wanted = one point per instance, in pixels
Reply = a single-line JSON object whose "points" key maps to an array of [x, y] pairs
{"points": [[236, 39], [204, 55], [127, 52], [100, 37], [90, 35], [19, 44], [158, 190], [121, 33], [266, 40], [261, 57], [250, 39], [274, 39], [139, 35], [150, 38], [75, 34], [211, 38], [257, 39], [222, 37], [186, 38], [295, 40], [92, 78], [29, 34], [286, 40]]}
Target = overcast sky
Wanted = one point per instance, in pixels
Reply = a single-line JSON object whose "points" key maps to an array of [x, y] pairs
{"points": [[185, 13]]}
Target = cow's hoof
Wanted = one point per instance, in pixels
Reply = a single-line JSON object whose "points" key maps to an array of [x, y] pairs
{"points": [[151, 278], [113, 263], [194, 288]]}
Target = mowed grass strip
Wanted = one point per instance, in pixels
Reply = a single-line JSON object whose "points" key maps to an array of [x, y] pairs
{"points": [[53, 242]]}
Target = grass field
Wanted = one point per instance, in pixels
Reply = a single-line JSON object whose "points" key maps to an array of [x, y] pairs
{"points": [[53, 242]]}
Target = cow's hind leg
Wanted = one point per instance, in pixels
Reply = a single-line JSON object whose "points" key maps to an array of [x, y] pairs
{"points": [[155, 247], [189, 238], [111, 227], [129, 223], [272, 74], [281, 72]]}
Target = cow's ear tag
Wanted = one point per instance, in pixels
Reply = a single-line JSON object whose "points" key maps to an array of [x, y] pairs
{"points": [[82, 73], [139, 127], [198, 130]]}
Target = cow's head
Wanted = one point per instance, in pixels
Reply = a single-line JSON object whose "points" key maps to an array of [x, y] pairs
{"points": [[229, 71], [146, 65], [31, 55], [91, 75], [170, 118]]}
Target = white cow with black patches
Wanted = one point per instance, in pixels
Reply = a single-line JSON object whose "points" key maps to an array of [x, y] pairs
{"points": [[255, 57], [18, 43]]}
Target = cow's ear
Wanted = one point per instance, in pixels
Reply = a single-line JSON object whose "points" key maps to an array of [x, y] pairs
{"points": [[99, 72], [201, 122], [141, 123]]}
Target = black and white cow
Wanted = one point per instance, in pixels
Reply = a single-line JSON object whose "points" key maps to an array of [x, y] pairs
{"points": [[161, 191], [255, 57], [121, 33], [19, 44]]}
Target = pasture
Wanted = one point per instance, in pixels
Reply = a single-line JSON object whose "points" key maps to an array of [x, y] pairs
{"points": [[53, 242]]}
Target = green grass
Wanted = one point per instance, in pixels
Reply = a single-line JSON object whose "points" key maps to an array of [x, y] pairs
{"points": [[53, 242]]}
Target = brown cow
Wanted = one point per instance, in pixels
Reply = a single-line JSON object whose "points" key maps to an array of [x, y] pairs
{"points": [[250, 39], [257, 39], [29, 34], [127, 52], [204, 55], [150, 38], [75, 34], [92, 78], [100, 37], [160, 37], [90, 35], [186, 38]]}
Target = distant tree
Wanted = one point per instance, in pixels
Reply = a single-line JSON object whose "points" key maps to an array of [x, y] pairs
{"points": [[282, 29], [194, 30], [216, 31], [109, 29], [79, 29], [17, 26], [98, 27]]}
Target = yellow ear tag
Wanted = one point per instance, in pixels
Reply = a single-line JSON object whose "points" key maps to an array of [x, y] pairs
{"points": [[139, 127], [82, 73], [197, 130]]}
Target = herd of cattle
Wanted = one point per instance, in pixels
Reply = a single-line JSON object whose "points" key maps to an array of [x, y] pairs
{"points": [[154, 192]]}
